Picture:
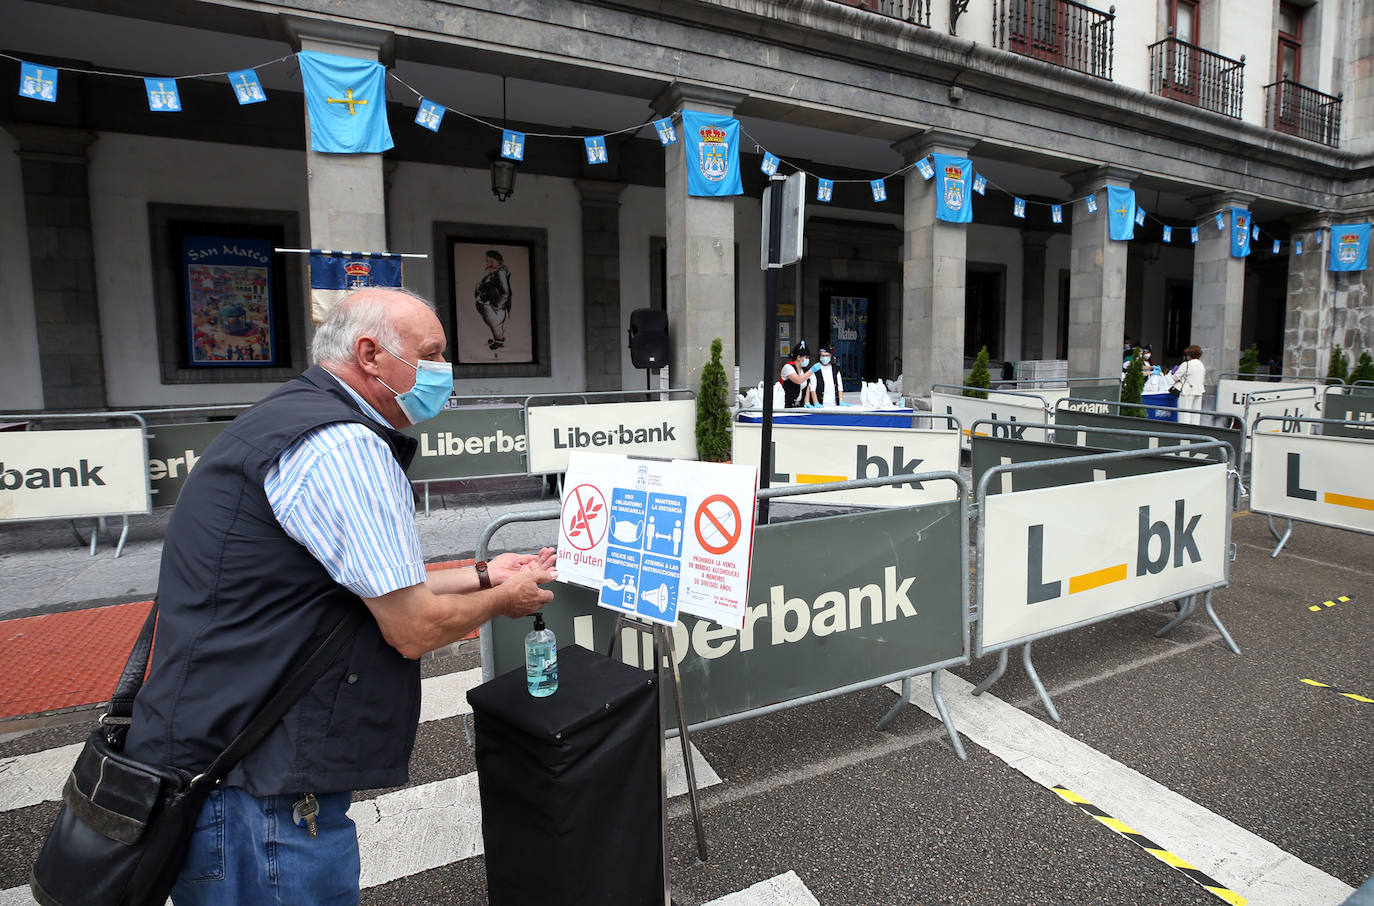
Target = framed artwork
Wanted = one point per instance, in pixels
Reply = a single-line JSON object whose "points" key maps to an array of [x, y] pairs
{"points": [[493, 317], [491, 291], [228, 307], [228, 301]]}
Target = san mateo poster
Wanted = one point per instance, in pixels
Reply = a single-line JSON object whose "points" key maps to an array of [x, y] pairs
{"points": [[228, 299]]}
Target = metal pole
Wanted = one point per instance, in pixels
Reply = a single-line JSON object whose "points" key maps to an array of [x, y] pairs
{"points": [[770, 333]]}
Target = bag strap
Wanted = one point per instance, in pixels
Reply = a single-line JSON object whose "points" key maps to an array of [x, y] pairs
{"points": [[131, 680]]}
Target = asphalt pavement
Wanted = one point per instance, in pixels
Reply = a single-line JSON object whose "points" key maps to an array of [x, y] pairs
{"points": [[1229, 764]]}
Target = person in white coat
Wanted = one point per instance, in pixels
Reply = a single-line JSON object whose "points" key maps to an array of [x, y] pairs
{"points": [[1190, 378], [829, 383]]}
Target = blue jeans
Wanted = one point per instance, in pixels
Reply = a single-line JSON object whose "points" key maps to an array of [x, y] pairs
{"points": [[246, 850]]}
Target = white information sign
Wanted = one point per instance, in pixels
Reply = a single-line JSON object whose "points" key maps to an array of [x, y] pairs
{"points": [[655, 538], [667, 430], [1074, 554], [1001, 406], [65, 474], [804, 455], [1326, 480]]}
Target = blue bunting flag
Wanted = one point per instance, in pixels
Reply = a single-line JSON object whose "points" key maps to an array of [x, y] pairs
{"points": [[247, 88], [38, 82]]}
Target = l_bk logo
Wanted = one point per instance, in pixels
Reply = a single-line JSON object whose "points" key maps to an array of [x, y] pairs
{"points": [[1173, 547]]}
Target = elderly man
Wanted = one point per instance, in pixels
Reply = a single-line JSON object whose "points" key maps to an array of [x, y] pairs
{"points": [[298, 511]]}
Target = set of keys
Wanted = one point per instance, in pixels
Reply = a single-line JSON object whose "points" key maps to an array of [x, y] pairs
{"points": [[305, 809]]}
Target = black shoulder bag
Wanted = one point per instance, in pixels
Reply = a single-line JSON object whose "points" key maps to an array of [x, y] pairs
{"points": [[121, 836]]}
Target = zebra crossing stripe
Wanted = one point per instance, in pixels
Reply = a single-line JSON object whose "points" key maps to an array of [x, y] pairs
{"points": [[784, 890], [1175, 862], [1339, 691]]}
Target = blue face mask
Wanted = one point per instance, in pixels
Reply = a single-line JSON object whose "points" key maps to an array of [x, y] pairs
{"points": [[433, 384]]}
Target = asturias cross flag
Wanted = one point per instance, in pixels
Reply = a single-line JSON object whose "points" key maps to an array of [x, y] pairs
{"points": [[1349, 247], [346, 100], [334, 274], [712, 149], [1121, 212], [952, 177]]}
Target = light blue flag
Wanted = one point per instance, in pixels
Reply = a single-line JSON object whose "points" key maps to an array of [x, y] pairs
{"points": [[879, 190], [1349, 247], [1276, 246], [1120, 212], [162, 95], [1317, 238], [667, 135], [38, 82], [595, 146], [825, 190], [1221, 221], [1057, 213], [512, 145], [1018, 208], [924, 168], [1139, 216], [980, 184], [345, 99], [1168, 234], [952, 201], [1254, 230], [247, 88], [1240, 232], [1297, 246], [770, 164], [431, 114], [1092, 203], [712, 149]]}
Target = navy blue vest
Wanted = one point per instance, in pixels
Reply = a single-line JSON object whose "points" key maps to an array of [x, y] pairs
{"points": [[241, 604]]}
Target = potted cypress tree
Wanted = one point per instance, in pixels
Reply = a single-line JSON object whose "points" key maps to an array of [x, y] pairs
{"points": [[1133, 385], [980, 376], [713, 410], [1338, 370]]}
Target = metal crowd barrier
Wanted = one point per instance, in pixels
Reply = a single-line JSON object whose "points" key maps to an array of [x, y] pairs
{"points": [[727, 676], [1322, 479], [1008, 613]]}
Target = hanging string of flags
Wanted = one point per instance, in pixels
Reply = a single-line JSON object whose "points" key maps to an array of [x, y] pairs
{"points": [[346, 104]]}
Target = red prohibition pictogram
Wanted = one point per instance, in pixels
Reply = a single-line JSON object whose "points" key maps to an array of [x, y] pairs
{"points": [[718, 524], [584, 516]]}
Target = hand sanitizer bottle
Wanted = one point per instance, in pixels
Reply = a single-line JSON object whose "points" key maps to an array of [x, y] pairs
{"points": [[541, 659]]}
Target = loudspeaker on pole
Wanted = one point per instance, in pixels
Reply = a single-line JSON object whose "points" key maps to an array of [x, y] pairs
{"points": [[649, 338]]}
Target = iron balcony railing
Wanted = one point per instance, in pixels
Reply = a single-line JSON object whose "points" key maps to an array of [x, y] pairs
{"points": [[1186, 72], [914, 11], [1302, 111], [1062, 32]]}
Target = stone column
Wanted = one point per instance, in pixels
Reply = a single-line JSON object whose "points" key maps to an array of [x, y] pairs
{"points": [[934, 264], [1033, 243], [57, 209], [1325, 308], [701, 247], [603, 339], [1097, 278], [347, 193], [1358, 112], [1218, 286]]}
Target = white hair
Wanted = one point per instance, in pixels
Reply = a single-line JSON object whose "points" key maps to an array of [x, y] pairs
{"points": [[362, 313]]}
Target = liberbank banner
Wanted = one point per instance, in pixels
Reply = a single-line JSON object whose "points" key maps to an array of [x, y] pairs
{"points": [[886, 596], [821, 454], [1077, 554], [66, 474], [666, 430], [1326, 480], [473, 442]]}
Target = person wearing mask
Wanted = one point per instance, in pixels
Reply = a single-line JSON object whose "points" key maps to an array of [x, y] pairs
{"points": [[795, 376], [829, 383], [298, 512], [1190, 378]]}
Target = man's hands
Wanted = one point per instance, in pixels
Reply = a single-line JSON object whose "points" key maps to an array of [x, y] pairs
{"points": [[503, 566]]}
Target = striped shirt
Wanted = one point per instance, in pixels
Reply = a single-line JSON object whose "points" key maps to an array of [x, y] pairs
{"points": [[341, 493]]}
